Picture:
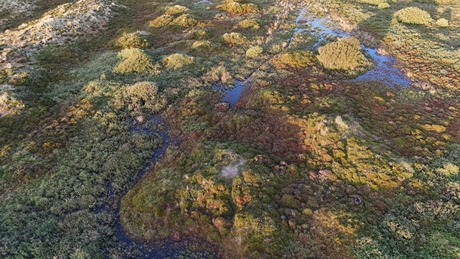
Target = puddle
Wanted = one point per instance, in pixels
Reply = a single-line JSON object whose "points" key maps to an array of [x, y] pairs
{"points": [[324, 29], [384, 70], [232, 93]]}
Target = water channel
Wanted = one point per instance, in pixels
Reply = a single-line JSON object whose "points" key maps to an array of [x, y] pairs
{"points": [[154, 127]]}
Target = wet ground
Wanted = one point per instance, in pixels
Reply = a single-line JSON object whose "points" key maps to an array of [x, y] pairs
{"points": [[324, 29]]}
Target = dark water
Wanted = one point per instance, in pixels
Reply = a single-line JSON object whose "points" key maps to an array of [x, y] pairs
{"points": [[384, 70], [153, 126], [232, 93], [324, 29]]}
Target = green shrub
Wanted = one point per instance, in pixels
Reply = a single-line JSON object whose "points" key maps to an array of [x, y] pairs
{"points": [[161, 21], [201, 44], [175, 9], [344, 54], [254, 52], [249, 24], [185, 20], [438, 2], [372, 2], [139, 98], [295, 59], [413, 15], [131, 40], [177, 60], [442, 22], [133, 61], [234, 7], [234, 38]]}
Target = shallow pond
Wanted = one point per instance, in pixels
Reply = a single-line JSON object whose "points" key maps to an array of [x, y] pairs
{"points": [[324, 29], [232, 93]]}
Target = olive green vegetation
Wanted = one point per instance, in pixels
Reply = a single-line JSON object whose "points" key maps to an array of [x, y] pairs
{"points": [[344, 55], [306, 165], [413, 15]]}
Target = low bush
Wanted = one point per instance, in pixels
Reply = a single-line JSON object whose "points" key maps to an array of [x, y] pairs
{"points": [[249, 24], [295, 59], [139, 98], [175, 9], [184, 20], [413, 15], [344, 54], [372, 2], [233, 7], [234, 38], [133, 61], [254, 52], [177, 60], [201, 44], [131, 40], [161, 21], [442, 22]]}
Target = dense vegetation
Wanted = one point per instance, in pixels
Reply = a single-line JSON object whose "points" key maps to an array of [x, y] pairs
{"points": [[111, 125]]}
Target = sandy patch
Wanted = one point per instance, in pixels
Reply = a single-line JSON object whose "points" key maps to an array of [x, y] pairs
{"points": [[231, 171]]}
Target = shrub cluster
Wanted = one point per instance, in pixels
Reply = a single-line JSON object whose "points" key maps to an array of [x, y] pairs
{"points": [[234, 38], [139, 98], [295, 59], [249, 24], [133, 61], [344, 54], [177, 60], [234, 7], [254, 52], [372, 2], [131, 40], [175, 9], [161, 21], [442, 22], [413, 15], [201, 44], [174, 16]]}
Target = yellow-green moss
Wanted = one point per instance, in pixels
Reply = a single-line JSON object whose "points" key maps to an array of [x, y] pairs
{"points": [[234, 38], [175, 9], [131, 40], [442, 22], [413, 15], [201, 44], [254, 52], [161, 21], [184, 20], [177, 60], [249, 24], [295, 59], [344, 54], [234, 7], [133, 61]]}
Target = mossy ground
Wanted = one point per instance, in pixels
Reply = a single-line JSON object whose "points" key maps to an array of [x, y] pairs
{"points": [[305, 165]]}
